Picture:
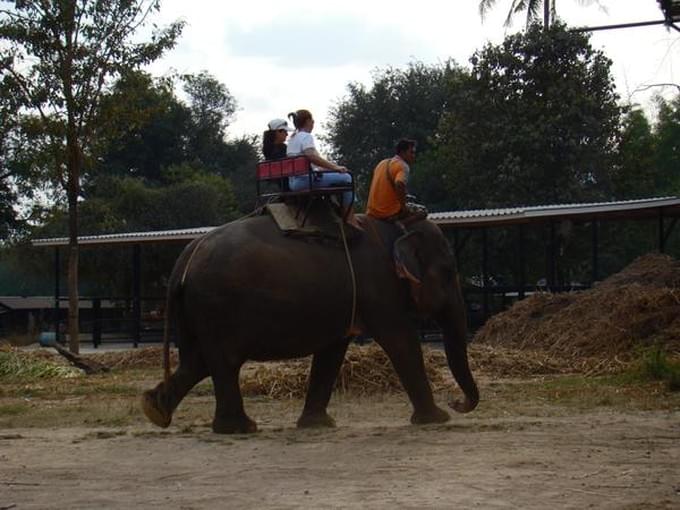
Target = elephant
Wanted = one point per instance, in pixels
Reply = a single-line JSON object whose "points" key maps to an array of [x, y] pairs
{"points": [[245, 291]]}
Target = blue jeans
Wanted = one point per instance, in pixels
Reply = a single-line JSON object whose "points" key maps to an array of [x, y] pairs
{"points": [[324, 180]]}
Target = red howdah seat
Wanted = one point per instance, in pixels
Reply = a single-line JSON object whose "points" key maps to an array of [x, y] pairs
{"points": [[272, 179]]}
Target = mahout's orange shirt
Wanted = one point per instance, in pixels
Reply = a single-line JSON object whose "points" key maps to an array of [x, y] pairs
{"points": [[383, 201]]}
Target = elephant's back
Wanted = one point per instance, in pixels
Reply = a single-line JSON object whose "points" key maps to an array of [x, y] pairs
{"points": [[253, 255]]}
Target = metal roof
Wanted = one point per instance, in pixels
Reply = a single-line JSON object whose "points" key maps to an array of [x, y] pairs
{"points": [[129, 237], [628, 209]]}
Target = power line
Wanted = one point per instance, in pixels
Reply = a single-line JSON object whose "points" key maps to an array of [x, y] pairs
{"points": [[624, 25]]}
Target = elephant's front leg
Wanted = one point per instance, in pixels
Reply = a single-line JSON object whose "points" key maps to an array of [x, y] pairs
{"points": [[325, 367], [403, 349]]}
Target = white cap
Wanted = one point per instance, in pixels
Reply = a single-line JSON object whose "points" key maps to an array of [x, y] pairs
{"points": [[277, 124]]}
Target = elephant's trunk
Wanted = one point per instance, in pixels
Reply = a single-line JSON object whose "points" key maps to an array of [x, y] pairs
{"points": [[454, 328]]}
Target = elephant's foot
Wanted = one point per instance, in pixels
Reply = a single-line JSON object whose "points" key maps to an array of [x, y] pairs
{"points": [[436, 415], [308, 420], [154, 409], [241, 425]]}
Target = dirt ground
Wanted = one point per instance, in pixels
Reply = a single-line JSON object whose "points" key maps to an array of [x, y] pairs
{"points": [[539, 456]]}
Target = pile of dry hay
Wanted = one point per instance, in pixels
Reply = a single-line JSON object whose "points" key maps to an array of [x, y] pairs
{"points": [[599, 329], [145, 357], [366, 370]]}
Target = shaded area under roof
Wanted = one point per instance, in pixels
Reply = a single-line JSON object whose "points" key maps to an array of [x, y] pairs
{"points": [[627, 209]]}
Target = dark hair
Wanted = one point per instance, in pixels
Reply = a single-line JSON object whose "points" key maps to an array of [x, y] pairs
{"points": [[300, 117], [268, 143], [403, 145]]}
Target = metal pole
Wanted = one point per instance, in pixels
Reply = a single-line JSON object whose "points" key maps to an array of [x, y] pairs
{"points": [[136, 293], [485, 261], [551, 257], [57, 292], [620, 25], [595, 262], [662, 237], [522, 269], [96, 322]]}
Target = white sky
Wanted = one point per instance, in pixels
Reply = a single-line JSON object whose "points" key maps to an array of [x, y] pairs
{"points": [[278, 56]]}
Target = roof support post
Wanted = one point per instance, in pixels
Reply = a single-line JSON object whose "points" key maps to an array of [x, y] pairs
{"points": [[96, 322], [594, 227], [662, 237], [550, 263], [57, 292], [136, 293], [522, 269], [485, 271], [460, 243]]}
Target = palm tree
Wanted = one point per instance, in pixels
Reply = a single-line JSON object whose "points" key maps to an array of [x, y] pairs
{"points": [[532, 8]]}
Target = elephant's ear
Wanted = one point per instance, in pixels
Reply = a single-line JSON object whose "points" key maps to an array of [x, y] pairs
{"points": [[405, 259]]}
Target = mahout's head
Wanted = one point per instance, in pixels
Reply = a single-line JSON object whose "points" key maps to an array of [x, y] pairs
{"points": [[406, 150]]}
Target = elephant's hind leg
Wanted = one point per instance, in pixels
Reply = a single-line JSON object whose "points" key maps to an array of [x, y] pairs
{"points": [[325, 367], [159, 404], [230, 416]]}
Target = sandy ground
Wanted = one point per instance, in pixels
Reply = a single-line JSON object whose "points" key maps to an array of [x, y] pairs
{"points": [[373, 459]]}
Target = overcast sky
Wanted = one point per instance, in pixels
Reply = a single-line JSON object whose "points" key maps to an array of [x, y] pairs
{"points": [[278, 56]]}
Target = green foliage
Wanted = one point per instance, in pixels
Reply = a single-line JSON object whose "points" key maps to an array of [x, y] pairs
{"points": [[212, 108], [667, 154], [191, 197], [656, 365], [538, 118], [635, 173], [364, 126], [142, 130], [150, 131]]}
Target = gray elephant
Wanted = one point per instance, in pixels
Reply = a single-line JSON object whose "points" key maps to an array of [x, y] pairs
{"points": [[246, 292]]}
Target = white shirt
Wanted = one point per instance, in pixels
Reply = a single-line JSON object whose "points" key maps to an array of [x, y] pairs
{"points": [[299, 143]]}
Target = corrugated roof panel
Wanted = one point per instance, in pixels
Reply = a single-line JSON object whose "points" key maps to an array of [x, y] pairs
{"points": [[129, 237], [468, 218]]}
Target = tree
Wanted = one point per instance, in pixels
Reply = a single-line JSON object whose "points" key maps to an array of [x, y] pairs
{"points": [[364, 126], [635, 173], [538, 118], [150, 130], [667, 136], [145, 129], [60, 56], [532, 8], [212, 108]]}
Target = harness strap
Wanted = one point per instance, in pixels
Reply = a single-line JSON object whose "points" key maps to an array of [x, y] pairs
{"points": [[352, 276]]}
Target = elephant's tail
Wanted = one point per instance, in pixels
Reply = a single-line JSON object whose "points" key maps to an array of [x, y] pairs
{"points": [[172, 307], [166, 341]]}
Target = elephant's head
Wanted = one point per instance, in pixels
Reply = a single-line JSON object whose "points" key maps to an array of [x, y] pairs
{"points": [[424, 258]]}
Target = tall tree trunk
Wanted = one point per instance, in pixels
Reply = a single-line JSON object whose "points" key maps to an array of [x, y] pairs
{"points": [[546, 14], [73, 174], [72, 192]]}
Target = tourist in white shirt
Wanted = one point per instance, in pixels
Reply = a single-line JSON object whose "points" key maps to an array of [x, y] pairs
{"points": [[327, 174]]}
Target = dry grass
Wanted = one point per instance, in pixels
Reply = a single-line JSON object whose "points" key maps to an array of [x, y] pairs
{"points": [[600, 329]]}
